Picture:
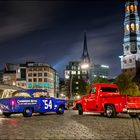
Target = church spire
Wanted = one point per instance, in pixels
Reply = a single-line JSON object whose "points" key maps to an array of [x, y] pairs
{"points": [[85, 55]]}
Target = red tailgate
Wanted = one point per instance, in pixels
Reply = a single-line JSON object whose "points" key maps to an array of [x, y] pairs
{"points": [[133, 102]]}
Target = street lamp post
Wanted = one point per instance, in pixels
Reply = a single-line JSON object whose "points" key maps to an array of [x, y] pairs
{"points": [[71, 80]]}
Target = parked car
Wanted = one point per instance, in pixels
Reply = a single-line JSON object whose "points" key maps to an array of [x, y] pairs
{"points": [[106, 99], [31, 101]]}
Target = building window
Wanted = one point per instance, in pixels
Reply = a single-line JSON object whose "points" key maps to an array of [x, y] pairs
{"points": [[132, 27], [77, 83], [35, 69], [35, 74], [126, 47], [45, 79], [39, 74], [73, 72], [29, 74], [132, 8], [137, 27], [130, 60], [30, 85], [35, 80], [77, 88], [46, 69], [40, 79], [29, 80], [139, 47], [45, 74], [127, 9], [135, 8], [29, 69], [124, 61], [127, 27], [78, 72], [39, 69]]}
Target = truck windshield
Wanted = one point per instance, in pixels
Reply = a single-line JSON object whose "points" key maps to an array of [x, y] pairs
{"points": [[108, 89]]}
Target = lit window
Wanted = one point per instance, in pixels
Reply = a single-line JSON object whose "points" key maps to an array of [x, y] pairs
{"points": [[135, 8], [132, 27], [73, 72], [132, 8], [77, 87], [127, 8], [127, 27], [137, 27], [77, 82], [78, 72]]}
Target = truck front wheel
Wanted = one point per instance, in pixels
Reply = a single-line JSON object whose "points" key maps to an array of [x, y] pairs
{"points": [[110, 111], [27, 112], [80, 110]]}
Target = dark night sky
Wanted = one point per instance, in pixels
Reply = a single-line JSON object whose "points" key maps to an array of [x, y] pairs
{"points": [[52, 32]]}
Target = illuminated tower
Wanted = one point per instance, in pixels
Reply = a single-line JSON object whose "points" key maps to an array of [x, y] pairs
{"points": [[85, 60], [131, 45]]}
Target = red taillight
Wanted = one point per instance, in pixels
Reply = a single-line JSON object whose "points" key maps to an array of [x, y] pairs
{"points": [[13, 103]]}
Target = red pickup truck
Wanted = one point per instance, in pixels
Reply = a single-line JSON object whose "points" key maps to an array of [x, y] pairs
{"points": [[106, 99]]}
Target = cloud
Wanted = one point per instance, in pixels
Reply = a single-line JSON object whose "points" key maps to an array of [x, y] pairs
{"points": [[21, 17]]}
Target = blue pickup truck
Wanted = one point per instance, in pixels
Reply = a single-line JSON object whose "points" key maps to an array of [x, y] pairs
{"points": [[31, 101]]}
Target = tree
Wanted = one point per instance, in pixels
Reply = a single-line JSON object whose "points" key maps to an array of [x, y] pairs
{"points": [[126, 86], [79, 86], [100, 80]]}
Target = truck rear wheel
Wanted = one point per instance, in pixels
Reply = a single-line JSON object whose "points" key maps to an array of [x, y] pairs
{"points": [[133, 115], [110, 111], [6, 114], [138, 115], [27, 112], [80, 110]]}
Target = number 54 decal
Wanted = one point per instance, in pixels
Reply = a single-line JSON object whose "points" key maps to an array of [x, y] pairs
{"points": [[48, 104]]}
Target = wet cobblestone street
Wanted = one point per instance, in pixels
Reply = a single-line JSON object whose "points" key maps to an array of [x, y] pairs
{"points": [[69, 126]]}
